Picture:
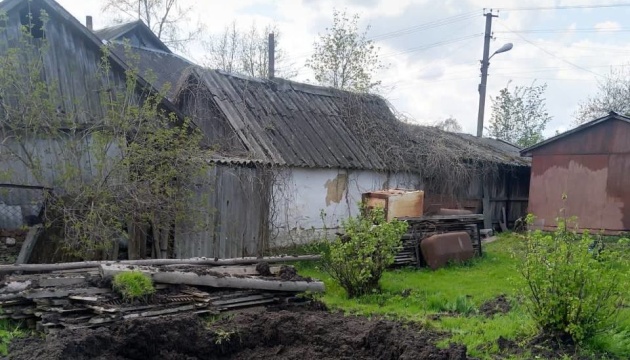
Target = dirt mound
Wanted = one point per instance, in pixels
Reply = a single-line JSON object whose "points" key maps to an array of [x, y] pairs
{"points": [[281, 335], [498, 305]]}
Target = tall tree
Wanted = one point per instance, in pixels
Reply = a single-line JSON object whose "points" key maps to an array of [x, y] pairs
{"points": [[613, 94], [247, 51], [449, 124], [520, 115], [343, 57], [168, 19]]}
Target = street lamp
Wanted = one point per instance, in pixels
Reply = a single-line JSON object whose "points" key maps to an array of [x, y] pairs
{"points": [[485, 63]]}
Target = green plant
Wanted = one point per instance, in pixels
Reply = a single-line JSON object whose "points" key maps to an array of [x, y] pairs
{"points": [[571, 289], [358, 258], [8, 332], [223, 336], [133, 285]]}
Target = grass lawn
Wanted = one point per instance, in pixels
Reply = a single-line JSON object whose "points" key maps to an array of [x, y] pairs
{"points": [[418, 295], [8, 331]]}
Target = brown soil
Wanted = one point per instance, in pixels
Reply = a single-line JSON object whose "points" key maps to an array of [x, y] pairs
{"points": [[498, 305], [263, 269], [544, 346], [288, 273], [303, 334]]}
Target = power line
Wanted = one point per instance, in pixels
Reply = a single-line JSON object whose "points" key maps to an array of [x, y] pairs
{"points": [[550, 53], [432, 45], [554, 31], [425, 26], [408, 30], [565, 7]]}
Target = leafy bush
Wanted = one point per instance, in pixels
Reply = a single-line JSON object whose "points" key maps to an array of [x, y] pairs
{"points": [[133, 285], [358, 258], [573, 285]]}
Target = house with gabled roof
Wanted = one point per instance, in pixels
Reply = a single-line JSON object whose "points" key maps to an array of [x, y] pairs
{"points": [[318, 149], [70, 56]]}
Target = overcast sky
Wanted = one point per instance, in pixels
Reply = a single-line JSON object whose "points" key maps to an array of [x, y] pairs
{"points": [[433, 70]]}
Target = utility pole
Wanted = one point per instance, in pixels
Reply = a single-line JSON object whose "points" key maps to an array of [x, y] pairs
{"points": [[485, 62], [272, 56]]}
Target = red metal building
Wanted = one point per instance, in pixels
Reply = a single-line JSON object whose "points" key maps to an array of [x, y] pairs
{"points": [[591, 166]]}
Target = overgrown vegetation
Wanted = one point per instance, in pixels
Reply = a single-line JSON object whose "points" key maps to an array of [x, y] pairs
{"points": [[116, 156], [133, 285], [574, 287], [8, 331], [449, 299], [358, 258]]}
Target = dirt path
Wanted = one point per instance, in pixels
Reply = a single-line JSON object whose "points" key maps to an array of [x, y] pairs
{"points": [[281, 334]]}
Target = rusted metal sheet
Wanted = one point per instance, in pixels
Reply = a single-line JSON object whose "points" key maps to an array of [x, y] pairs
{"points": [[591, 168], [592, 185], [608, 137]]}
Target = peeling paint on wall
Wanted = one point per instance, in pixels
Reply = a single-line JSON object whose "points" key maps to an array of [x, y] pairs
{"points": [[585, 186], [335, 188]]}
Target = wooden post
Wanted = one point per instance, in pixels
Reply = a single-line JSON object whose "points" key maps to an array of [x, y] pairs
{"points": [[272, 56], [487, 211], [29, 244]]}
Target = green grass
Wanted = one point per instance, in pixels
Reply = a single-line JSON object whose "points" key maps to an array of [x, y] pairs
{"points": [[8, 331], [417, 295], [133, 285]]}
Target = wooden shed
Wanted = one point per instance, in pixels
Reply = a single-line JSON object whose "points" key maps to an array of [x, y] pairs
{"points": [[590, 167]]}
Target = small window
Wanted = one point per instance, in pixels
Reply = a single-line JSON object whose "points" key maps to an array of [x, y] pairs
{"points": [[31, 18]]}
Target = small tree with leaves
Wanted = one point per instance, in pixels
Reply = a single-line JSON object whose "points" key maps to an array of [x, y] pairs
{"points": [[343, 56], [613, 94], [519, 115], [116, 161]]}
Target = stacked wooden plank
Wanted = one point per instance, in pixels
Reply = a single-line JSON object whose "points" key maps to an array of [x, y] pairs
{"points": [[81, 298], [423, 227]]}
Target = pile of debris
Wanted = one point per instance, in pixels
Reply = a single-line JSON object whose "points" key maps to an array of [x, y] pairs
{"points": [[83, 297]]}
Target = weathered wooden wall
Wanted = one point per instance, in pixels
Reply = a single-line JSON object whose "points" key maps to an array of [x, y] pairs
{"points": [[509, 190], [234, 208]]}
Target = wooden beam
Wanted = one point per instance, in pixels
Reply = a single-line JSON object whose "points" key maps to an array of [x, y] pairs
{"points": [[191, 278], [155, 262], [29, 244]]}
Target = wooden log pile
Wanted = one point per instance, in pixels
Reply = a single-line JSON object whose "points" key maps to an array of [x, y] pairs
{"points": [[80, 298]]}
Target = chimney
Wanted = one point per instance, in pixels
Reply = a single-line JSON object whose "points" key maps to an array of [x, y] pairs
{"points": [[272, 56], [88, 23]]}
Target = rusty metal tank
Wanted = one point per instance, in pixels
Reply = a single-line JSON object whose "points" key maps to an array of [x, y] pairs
{"points": [[439, 250]]}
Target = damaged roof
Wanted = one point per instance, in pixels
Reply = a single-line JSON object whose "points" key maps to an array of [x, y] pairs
{"points": [[290, 123], [295, 124]]}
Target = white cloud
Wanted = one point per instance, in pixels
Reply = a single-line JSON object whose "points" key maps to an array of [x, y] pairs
{"points": [[608, 26]]}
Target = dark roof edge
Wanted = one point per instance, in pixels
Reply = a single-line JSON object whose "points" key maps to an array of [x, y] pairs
{"points": [[611, 116], [8, 5], [126, 27], [285, 84]]}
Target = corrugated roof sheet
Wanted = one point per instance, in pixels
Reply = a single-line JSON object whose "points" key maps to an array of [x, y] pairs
{"points": [[113, 32], [290, 123], [158, 67]]}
